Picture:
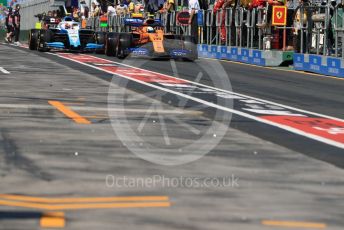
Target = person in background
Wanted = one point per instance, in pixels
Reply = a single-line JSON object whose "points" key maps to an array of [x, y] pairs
{"points": [[268, 4], [86, 12], [152, 6], [257, 4], [55, 15], [131, 6], [222, 5], [9, 25], [297, 18], [193, 10], [111, 11], [59, 14], [16, 20], [138, 8], [145, 4], [160, 7], [290, 12], [76, 14], [290, 5], [204, 4], [121, 9], [95, 11], [68, 5], [168, 7], [103, 5], [83, 8], [272, 3], [329, 26]]}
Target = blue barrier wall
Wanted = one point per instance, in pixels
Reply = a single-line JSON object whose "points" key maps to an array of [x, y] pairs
{"points": [[319, 64], [250, 56]]}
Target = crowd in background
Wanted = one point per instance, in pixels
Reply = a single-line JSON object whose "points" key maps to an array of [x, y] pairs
{"points": [[295, 20], [80, 10], [119, 7]]}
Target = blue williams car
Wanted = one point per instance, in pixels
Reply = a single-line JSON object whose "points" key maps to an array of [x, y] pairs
{"points": [[67, 35]]}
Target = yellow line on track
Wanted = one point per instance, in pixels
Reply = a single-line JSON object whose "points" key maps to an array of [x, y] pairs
{"points": [[84, 205], [52, 220], [81, 199], [69, 113], [294, 224]]}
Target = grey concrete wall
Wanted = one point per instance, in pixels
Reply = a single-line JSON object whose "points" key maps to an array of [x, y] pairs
{"points": [[34, 7]]}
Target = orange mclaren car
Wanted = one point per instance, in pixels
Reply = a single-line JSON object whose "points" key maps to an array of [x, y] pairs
{"points": [[147, 38]]}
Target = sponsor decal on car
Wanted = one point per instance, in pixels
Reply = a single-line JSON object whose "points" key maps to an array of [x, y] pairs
{"points": [[74, 39]]}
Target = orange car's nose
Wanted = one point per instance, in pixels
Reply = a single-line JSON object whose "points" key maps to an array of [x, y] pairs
{"points": [[157, 40]]}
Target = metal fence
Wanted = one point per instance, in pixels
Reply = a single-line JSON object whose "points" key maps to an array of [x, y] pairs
{"points": [[339, 31], [238, 26], [321, 30]]}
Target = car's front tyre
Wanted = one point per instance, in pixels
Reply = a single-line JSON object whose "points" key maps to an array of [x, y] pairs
{"points": [[33, 39], [111, 44], [45, 36], [125, 42]]}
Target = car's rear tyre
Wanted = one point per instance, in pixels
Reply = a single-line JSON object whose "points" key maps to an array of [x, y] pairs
{"points": [[111, 44], [190, 45], [45, 36], [100, 40], [125, 41], [173, 36], [33, 39]]}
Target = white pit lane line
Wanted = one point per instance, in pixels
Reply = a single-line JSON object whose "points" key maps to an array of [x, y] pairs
{"points": [[210, 104]]}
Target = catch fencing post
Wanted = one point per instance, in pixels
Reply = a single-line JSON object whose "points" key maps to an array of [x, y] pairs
{"points": [[209, 23], [228, 25]]}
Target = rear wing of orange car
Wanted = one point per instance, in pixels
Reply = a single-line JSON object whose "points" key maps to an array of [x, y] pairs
{"points": [[137, 22]]}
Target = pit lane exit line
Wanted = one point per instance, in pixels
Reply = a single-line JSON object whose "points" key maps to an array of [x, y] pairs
{"points": [[87, 60]]}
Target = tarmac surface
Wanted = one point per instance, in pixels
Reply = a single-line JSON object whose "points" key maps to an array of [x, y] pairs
{"points": [[67, 158]]}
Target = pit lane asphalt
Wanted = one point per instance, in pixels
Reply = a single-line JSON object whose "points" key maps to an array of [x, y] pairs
{"points": [[305, 91], [38, 158], [300, 90]]}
